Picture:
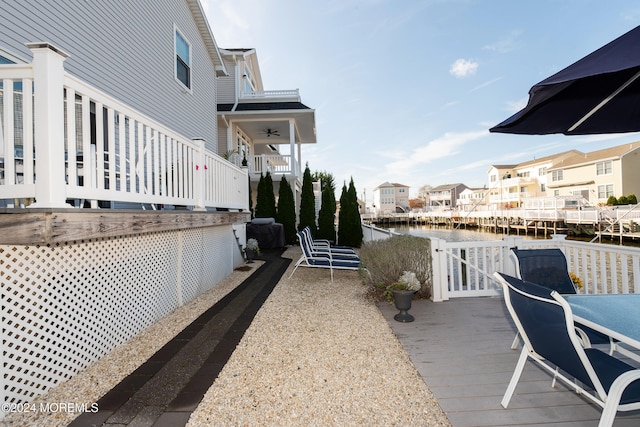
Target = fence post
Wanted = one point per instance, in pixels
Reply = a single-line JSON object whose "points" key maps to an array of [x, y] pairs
{"points": [[48, 116], [440, 287], [201, 176]]}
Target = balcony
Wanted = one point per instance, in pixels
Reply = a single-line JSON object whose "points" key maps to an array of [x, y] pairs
{"points": [[276, 164], [56, 148], [272, 95]]}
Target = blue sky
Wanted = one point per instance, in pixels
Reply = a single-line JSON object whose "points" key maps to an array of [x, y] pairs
{"points": [[406, 90]]}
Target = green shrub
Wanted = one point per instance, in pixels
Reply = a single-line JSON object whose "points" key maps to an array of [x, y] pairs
{"points": [[386, 260], [612, 201]]}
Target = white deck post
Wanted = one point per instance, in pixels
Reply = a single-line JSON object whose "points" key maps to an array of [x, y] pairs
{"points": [[201, 176], [440, 286], [48, 72]]}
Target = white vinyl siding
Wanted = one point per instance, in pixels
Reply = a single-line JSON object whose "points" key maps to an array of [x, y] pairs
{"points": [[125, 49]]}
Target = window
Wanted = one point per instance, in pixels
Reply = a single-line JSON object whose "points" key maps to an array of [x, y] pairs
{"points": [[605, 191], [543, 188], [4, 60], [542, 171], [604, 168], [557, 175], [183, 60]]}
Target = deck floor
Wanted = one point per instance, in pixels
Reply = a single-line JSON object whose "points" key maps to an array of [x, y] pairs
{"points": [[462, 350]]}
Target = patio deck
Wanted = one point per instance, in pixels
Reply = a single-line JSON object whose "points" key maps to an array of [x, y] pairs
{"points": [[461, 349]]}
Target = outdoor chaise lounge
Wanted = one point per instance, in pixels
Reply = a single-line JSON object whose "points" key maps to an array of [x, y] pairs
{"points": [[545, 322], [323, 244], [548, 268], [312, 257]]}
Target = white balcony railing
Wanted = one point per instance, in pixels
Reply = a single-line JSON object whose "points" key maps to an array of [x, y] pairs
{"points": [[263, 94], [277, 164], [68, 140]]}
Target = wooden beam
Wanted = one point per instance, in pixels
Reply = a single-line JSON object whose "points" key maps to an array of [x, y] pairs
{"points": [[46, 226]]}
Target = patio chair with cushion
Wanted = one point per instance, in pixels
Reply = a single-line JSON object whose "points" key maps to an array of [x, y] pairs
{"points": [[323, 244], [548, 268], [545, 322], [312, 257]]}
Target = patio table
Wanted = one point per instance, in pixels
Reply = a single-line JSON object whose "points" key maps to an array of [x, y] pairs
{"points": [[616, 315]]}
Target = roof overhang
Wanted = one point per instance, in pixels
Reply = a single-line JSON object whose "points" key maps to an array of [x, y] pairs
{"points": [[207, 36], [255, 123]]}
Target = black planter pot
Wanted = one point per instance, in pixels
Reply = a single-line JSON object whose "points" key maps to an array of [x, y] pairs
{"points": [[251, 254], [402, 300]]}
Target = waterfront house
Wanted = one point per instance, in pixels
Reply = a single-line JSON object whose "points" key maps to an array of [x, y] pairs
{"points": [[390, 198], [445, 196], [471, 199], [597, 175], [510, 186], [263, 129], [107, 105]]}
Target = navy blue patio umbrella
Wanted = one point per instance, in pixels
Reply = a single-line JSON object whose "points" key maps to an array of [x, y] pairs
{"points": [[598, 94]]}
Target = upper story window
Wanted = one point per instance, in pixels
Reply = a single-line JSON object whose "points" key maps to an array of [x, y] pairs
{"points": [[493, 178], [557, 175], [542, 171], [604, 168], [526, 174], [4, 60], [183, 59]]}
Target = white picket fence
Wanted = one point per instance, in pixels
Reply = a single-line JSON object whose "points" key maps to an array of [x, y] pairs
{"points": [[465, 269], [62, 139]]}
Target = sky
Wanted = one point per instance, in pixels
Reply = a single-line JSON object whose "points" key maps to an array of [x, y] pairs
{"points": [[405, 90]]}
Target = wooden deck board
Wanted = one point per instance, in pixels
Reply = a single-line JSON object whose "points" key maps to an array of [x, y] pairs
{"points": [[461, 349]]}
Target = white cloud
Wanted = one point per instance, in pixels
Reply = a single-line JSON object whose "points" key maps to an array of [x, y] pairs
{"points": [[507, 44], [447, 145], [515, 106], [463, 68]]}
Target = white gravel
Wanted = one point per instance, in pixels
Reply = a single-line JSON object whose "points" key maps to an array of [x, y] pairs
{"points": [[317, 354]]}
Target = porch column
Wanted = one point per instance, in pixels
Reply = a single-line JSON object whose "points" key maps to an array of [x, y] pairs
{"points": [[48, 115], [292, 146]]}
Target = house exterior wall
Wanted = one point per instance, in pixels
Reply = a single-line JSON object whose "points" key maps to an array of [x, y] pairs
{"points": [[227, 84], [630, 174], [125, 49]]}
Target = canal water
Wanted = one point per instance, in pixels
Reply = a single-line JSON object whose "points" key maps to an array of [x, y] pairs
{"points": [[449, 234]]}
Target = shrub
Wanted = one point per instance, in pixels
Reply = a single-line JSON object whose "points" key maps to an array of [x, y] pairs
{"points": [[633, 200], [612, 201], [387, 260]]}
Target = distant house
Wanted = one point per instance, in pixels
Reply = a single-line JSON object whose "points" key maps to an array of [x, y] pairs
{"points": [[511, 185], [471, 199], [445, 196], [263, 128], [390, 198], [597, 175]]}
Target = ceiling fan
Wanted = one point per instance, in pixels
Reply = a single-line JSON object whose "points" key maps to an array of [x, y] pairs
{"points": [[271, 132]]}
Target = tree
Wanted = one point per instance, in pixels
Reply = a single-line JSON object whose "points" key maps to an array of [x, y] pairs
{"points": [[265, 200], [327, 214], [349, 221], [307, 214], [355, 221], [270, 196], [287, 211]]}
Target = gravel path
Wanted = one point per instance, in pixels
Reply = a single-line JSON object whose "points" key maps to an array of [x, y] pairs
{"points": [[317, 354]]}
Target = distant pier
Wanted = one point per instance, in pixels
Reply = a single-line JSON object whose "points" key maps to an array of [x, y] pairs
{"points": [[622, 223]]}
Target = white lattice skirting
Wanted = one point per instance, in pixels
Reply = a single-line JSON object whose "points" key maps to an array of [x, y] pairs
{"points": [[65, 306]]}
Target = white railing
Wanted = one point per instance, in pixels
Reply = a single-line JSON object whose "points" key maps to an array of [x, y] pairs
{"points": [[294, 93], [465, 269], [274, 163], [90, 146]]}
